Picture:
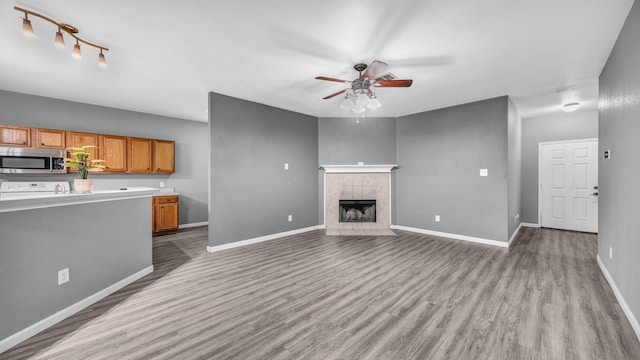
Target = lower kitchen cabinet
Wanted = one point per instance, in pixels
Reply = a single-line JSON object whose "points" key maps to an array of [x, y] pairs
{"points": [[165, 215]]}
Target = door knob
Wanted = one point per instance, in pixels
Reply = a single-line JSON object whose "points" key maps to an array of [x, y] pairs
{"points": [[595, 193]]}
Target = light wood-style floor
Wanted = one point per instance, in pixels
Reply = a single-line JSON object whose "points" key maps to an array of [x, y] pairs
{"points": [[312, 296]]}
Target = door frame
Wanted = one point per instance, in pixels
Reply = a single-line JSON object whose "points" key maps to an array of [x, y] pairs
{"points": [[542, 143]]}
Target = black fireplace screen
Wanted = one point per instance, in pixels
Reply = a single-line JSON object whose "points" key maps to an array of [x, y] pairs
{"points": [[357, 211]]}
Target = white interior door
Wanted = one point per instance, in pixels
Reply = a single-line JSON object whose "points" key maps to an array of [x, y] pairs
{"points": [[568, 195]]}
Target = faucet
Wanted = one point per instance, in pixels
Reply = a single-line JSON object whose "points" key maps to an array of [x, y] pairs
{"points": [[57, 188]]}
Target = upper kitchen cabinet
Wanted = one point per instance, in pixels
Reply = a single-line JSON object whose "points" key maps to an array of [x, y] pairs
{"points": [[78, 139], [15, 135], [113, 150], [164, 156], [140, 159], [48, 138]]}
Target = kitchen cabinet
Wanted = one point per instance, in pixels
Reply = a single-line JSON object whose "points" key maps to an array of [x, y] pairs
{"points": [[113, 150], [78, 139], [140, 160], [165, 215], [120, 153], [49, 138], [15, 135], [163, 156]]}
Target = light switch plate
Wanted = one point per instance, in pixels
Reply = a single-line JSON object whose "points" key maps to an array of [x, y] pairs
{"points": [[484, 172], [286, 166]]}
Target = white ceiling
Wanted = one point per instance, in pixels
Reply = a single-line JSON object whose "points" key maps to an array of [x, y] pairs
{"points": [[166, 55]]}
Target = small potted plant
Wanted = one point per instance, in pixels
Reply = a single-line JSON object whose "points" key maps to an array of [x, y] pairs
{"points": [[79, 161]]}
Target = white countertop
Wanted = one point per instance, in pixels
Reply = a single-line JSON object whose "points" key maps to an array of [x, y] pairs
{"points": [[36, 201]]}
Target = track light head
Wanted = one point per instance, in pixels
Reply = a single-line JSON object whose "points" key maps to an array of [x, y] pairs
{"points": [[77, 53], [102, 62], [27, 29], [59, 40]]}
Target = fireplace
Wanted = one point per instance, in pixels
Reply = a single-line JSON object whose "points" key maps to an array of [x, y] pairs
{"points": [[357, 211]]}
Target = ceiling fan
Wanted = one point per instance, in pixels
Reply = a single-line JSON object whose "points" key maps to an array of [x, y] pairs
{"points": [[361, 88]]}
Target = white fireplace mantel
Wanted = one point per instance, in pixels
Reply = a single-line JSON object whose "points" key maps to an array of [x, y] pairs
{"points": [[358, 168]]}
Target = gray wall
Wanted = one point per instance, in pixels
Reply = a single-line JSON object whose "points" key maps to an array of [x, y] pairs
{"points": [[347, 141], [514, 169], [251, 192], [440, 154], [581, 124], [190, 178], [30, 256], [619, 212]]}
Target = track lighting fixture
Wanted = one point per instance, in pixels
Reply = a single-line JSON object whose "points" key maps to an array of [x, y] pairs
{"points": [[27, 29]]}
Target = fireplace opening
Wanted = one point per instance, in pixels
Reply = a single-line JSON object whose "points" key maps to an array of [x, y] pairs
{"points": [[358, 211]]}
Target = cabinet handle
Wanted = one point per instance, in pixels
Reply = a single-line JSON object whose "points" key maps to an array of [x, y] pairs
{"points": [[24, 143], [42, 144]]}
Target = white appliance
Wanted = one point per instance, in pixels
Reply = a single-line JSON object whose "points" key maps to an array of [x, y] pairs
{"points": [[26, 189]]}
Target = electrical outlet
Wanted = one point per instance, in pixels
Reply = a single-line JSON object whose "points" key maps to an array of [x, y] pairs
{"points": [[161, 184], [517, 216], [610, 252], [437, 218], [286, 166], [484, 172], [290, 217], [63, 276]]}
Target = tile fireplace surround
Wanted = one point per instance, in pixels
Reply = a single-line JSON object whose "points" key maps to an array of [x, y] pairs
{"points": [[357, 182]]}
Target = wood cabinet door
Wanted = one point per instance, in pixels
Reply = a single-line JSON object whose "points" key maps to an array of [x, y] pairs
{"points": [[15, 135], [163, 156], [113, 150], [166, 217], [77, 139], [140, 160], [49, 139]]}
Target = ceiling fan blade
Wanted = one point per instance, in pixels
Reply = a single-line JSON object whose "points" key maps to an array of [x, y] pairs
{"points": [[373, 70], [335, 94], [387, 76], [393, 83], [333, 79]]}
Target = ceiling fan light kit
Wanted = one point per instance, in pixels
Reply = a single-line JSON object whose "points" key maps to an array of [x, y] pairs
{"points": [[360, 95], [58, 41]]}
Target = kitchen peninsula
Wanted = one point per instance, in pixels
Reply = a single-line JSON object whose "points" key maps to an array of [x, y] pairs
{"points": [[99, 242]]}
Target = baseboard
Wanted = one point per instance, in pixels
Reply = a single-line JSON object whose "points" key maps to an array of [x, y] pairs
{"points": [[530, 225], [41, 325], [452, 236], [515, 233], [625, 307], [186, 226], [261, 239]]}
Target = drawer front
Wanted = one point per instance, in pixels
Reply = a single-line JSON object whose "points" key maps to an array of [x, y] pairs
{"points": [[165, 199]]}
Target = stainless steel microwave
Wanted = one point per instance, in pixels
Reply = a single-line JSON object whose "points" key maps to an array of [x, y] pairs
{"points": [[31, 161]]}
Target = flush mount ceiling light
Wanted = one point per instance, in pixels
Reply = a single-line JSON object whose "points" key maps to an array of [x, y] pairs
{"points": [[569, 107], [27, 29]]}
